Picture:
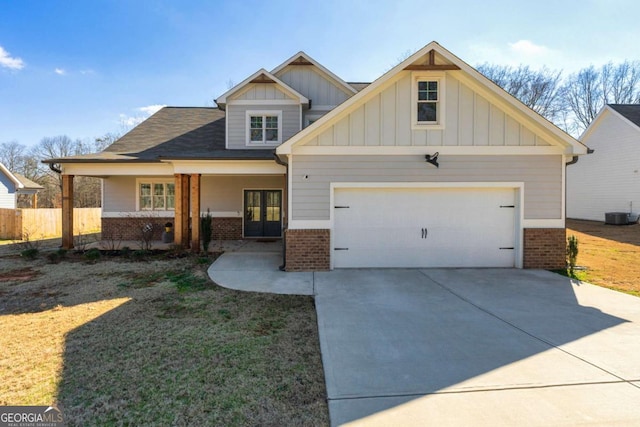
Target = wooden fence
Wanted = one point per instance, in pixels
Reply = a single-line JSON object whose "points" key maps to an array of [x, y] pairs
{"points": [[36, 224]]}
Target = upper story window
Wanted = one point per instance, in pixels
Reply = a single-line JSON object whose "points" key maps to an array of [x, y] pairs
{"points": [[153, 195], [264, 127], [428, 101]]}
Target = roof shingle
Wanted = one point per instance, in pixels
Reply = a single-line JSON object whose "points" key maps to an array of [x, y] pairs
{"points": [[630, 111]]}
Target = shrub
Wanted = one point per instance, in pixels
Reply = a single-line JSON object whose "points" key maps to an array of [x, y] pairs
{"points": [[53, 257], [206, 230], [30, 253], [572, 252], [62, 253], [92, 255], [125, 252]]}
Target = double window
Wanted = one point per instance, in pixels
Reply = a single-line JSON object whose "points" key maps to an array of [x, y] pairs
{"points": [[427, 97], [264, 127], [156, 196]]}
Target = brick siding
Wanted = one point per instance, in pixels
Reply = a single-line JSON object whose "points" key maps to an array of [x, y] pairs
{"points": [[129, 228], [308, 250], [227, 228], [545, 248]]}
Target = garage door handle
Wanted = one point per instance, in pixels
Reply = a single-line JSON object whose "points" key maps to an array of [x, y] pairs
{"points": [[425, 233]]}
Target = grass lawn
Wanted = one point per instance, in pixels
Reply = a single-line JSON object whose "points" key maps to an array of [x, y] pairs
{"points": [[155, 343], [611, 254]]}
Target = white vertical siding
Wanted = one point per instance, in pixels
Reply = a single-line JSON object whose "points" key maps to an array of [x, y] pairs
{"points": [[542, 177], [608, 180], [313, 84], [236, 123], [470, 120], [7, 192]]}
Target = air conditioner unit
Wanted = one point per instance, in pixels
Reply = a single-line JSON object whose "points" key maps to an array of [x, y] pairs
{"points": [[616, 218]]}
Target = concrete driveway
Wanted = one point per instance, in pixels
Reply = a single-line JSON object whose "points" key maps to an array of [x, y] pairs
{"points": [[477, 347]]}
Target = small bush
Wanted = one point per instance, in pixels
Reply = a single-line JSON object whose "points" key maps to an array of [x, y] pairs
{"points": [[30, 253], [53, 257], [92, 255], [139, 255], [62, 253], [572, 252], [206, 230], [125, 252]]}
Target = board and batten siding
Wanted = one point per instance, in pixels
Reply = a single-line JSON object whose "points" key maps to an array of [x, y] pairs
{"points": [[237, 123], [313, 84], [312, 176], [609, 179], [218, 193], [7, 192], [470, 120], [262, 91]]}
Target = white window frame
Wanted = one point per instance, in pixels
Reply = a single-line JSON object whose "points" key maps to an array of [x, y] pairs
{"points": [[264, 114], [440, 112], [140, 181], [312, 117]]}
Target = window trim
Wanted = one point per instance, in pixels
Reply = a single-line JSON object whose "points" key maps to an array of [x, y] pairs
{"points": [[152, 181], [264, 114], [428, 77]]}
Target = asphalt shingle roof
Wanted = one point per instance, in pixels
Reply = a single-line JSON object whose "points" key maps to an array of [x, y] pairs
{"points": [[173, 133], [630, 111]]}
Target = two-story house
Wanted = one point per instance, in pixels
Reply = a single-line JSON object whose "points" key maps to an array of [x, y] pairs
{"points": [[431, 165]]}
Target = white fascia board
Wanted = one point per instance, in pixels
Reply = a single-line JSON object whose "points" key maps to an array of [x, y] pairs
{"points": [[346, 86], [222, 99], [227, 167], [475, 78], [428, 149], [11, 176], [110, 169]]}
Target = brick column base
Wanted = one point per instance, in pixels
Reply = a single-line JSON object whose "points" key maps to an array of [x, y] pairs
{"points": [[545, 248], [308, 250]]}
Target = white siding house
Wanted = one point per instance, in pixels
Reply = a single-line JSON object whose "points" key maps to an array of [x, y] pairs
{"points": [[11, 185], [608, 180]]}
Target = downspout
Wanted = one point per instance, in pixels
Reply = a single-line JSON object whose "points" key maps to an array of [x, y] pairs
{"points": [[286, 183]]}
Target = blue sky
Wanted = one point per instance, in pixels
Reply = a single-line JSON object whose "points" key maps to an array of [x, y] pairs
{"points": [[84, 68]]}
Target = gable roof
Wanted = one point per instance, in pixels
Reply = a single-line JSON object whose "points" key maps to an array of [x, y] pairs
{"points": [[627, 113], [260, 76], [20, 181], [173, 133], [302, 58], [630, 112], [435, 57]]}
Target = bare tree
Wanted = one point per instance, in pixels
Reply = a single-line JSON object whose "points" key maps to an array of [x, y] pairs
{"points": [[590, 89], [12, 155], [541, 90]]}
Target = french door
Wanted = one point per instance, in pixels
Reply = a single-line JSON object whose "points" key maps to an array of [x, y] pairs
{"points": [[262, 213]]}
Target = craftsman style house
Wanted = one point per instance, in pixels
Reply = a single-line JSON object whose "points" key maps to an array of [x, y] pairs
{"points": [[431, 165]]}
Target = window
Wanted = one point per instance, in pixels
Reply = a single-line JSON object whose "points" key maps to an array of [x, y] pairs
{"points": [[427, 99], [157, 196], [264, 127]]}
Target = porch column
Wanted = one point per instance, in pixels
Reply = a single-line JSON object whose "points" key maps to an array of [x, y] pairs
{"points": [[67, 211], [181, 226], [35, 201], [195, 212]]}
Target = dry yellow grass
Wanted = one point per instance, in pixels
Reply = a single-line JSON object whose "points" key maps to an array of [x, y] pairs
{"points": [[611, 254], [155, 343]]}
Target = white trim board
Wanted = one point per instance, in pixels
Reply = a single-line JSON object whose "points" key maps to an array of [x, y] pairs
{"points": [[383, 150]]}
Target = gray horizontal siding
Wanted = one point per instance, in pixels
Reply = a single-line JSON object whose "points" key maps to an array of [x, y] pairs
{"points": [[542, 177], [119, 194], [237, 124], [307, 81]]}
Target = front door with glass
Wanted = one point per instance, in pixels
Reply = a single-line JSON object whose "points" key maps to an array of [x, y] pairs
{"points": [[262, 213]]}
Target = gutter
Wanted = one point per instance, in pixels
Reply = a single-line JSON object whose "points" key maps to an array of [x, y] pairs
{"points": [[575, 159], [279, 161]]}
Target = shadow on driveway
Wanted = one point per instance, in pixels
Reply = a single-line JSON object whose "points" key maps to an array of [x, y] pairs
{"points": [[459, 346]]}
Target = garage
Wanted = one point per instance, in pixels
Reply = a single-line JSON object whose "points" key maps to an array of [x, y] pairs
{"points": [[425, 227]]}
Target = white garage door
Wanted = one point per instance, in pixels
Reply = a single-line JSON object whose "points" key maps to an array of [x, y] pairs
{"points": [[417, 227]]}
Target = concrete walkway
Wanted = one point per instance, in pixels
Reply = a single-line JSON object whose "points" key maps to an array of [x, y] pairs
{"points": [[253, 266]]}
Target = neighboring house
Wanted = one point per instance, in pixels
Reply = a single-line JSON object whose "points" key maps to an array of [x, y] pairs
{"points": [[609, 179], [13, 184], [339, 169]]}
